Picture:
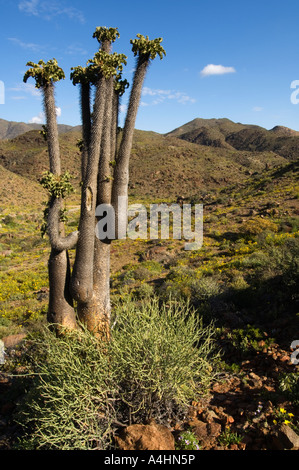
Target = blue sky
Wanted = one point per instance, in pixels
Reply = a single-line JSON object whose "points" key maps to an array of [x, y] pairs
{"points": [[232, 59]]}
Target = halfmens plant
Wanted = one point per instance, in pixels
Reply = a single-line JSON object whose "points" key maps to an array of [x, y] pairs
{"points": [[102, 182], [61, 310]]}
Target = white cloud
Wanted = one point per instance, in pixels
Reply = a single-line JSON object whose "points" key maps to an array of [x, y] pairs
{"points": [[39, 119], [181, 97], [29, 6], [50, 9], [162, 95], [149, 91], [212, 69], [257, 108], [75, 49], [26, 45], [123, 108], [27, 88]]}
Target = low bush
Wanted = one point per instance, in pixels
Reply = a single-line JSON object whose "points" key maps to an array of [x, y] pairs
{"points": [[69, 405], [160, 357], [253, 227]]}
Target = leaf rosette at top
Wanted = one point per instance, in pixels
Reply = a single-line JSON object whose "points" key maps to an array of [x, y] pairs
{"points": [[107, 64], [80, 75], [44, 72], [102, 33], [147, 47]]}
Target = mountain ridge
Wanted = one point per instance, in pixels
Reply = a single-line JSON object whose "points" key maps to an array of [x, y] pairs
{"points": [[161, 166], [12, 129], [227, 134]]}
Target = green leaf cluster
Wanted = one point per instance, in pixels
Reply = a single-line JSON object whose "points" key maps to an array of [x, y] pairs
{"points": [[57, 186], [44, 132], [107, 64], [146, 47], [44, 73], [102, 33], [80, 75], [120, 85]]}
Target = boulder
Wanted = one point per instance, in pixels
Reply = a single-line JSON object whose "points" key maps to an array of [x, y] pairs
{"points": [[145, 437], [286, 439], [12, 341]]}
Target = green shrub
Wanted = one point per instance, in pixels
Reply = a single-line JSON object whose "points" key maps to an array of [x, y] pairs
{"points": [[187, 441], [249, 339], [69, 403], [253, 227], [289, 385], [159, 358], [228, 437], [283, 261], [162, 356], [205, 288], [144, 291]]}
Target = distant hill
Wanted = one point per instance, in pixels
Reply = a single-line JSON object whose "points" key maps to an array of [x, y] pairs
{"points": [[224, 125], [224, 133], [11, 129], [161, 166]]}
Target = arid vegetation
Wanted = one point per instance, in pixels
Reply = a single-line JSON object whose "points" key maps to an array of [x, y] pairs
{"points": [[242, 285]]}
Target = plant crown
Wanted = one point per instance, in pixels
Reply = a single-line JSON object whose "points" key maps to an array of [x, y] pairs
{"points": [[44, 73], [146, 47]]}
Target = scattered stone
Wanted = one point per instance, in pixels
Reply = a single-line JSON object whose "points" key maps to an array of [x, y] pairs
{"points": [[12, 341], [214, 429], [145, 437], [286, 439], [209, 416], [200, 429]]}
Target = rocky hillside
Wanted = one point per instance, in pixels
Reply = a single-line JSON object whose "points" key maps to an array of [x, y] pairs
{"points": [[226, 134], [200, 156]]}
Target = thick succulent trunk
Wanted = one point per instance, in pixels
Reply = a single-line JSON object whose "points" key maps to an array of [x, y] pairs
{"points": [[52, 130], [82, 277], [61, 311], [58, 242], [121, 173], [95, 313], [104, 170], [86, 125], [114, 124]]}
